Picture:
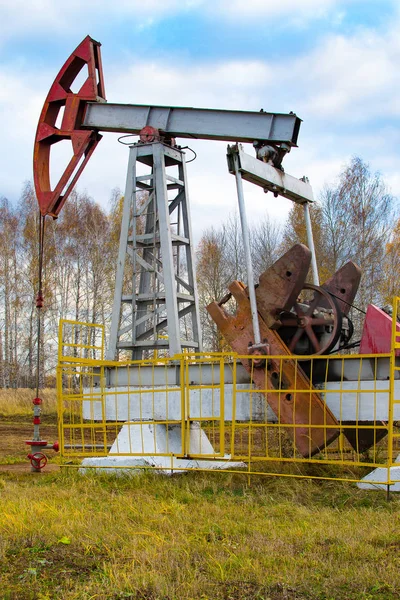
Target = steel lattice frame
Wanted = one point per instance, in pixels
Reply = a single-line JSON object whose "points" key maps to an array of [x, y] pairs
{"points": [[156, 302]]}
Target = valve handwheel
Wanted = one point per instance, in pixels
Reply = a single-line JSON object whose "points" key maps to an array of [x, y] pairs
{"points": [[303, 322], [38, 460]]}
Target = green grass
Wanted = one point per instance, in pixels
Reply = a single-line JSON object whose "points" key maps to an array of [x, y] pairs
{"points": [[198, 536], [66, 536]]}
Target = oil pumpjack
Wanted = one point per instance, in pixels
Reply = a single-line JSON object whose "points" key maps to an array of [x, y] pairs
{"points": [[283, 315]]}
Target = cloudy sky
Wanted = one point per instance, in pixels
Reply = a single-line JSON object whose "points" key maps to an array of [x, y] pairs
{"points": [[335, 63]]}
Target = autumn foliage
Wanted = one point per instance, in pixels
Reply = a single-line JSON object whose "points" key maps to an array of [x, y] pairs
{"points": [[354, 219]]}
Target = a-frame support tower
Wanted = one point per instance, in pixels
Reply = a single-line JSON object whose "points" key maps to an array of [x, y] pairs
{"points": [[155, 301]]}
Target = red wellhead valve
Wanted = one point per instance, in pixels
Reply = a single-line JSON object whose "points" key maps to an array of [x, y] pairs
{"points": [[38, 460]]}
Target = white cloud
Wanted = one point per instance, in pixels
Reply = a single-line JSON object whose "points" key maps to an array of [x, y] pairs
{"points": [[355, 77], [43, 15], [264, 8], [341, 89], [21, 99], [351, 78], [36, 16], [232, 84], [392, 180]]}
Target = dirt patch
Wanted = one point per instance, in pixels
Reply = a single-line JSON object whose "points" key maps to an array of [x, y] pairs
{"points": [[26, 468]]}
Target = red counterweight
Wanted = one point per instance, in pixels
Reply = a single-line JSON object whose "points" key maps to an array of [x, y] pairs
{"points": [[86, 56]]}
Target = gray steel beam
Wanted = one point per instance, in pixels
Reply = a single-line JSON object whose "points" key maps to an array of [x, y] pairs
{"points": [[198, 123], [268, 177], [310, 242], [247, 254]]}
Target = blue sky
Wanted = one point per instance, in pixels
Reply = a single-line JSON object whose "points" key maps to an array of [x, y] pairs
{"points": [[333, 62]]}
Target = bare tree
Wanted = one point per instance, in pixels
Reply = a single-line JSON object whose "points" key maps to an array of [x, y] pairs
{"points": [[212, 279], [220, 260], [390, 284], [367, 207], [265, 244], [352, 221]]}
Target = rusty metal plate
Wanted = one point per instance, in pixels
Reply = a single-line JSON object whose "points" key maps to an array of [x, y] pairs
{"points": [[315, 426], [281, 284], [362, 439], [343, 286]]}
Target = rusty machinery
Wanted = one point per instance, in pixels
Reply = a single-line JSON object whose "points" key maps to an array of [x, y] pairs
{"points": [[282, 315]]}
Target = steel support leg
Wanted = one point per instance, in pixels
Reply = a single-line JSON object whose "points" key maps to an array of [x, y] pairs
{"points": [[310, 241], [247, 254]]}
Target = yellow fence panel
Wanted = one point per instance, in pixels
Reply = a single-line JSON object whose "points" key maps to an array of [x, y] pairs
{"points": [[78, 341], [205, 407]]}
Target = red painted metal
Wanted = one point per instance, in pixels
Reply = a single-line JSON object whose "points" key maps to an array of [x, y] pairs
{"points": [[36, 443], [377, 332], [85, 56], [43, 444], [149, 134], [38, 460], [39, 301]]}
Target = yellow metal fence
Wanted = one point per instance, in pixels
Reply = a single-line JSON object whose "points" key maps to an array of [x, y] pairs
{"points": [[206, 407]]}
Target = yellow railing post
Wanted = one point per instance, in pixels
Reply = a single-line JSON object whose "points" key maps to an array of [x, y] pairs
{"points": [[221, 407], [394, 345], [60, 408], [184, 404]]}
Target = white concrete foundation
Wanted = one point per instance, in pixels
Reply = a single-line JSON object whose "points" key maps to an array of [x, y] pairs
{"points": [[370, 481], [143, 403], [361, 401], [156, 446], [348, 401]]}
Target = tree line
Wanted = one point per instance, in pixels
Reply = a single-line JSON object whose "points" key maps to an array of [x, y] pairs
{"points": [[354, 219], [80, 252]]}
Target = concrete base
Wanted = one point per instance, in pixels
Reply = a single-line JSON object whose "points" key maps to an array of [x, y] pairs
{"points": [[123, 465], [155, 403], [369, 482], [148, 445]]}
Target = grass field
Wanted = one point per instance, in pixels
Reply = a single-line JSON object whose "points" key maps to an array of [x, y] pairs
{"points": [[194, 536]]}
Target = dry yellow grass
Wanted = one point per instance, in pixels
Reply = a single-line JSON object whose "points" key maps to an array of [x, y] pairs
{"points": [[211, 536], [200, 535], [18, 402]]}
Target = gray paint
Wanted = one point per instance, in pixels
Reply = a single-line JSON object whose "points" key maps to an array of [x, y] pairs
{"points": [[198, 123]]}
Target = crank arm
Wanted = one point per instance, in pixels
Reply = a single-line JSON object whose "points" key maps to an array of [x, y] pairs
{"points": [[301, 408]]}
